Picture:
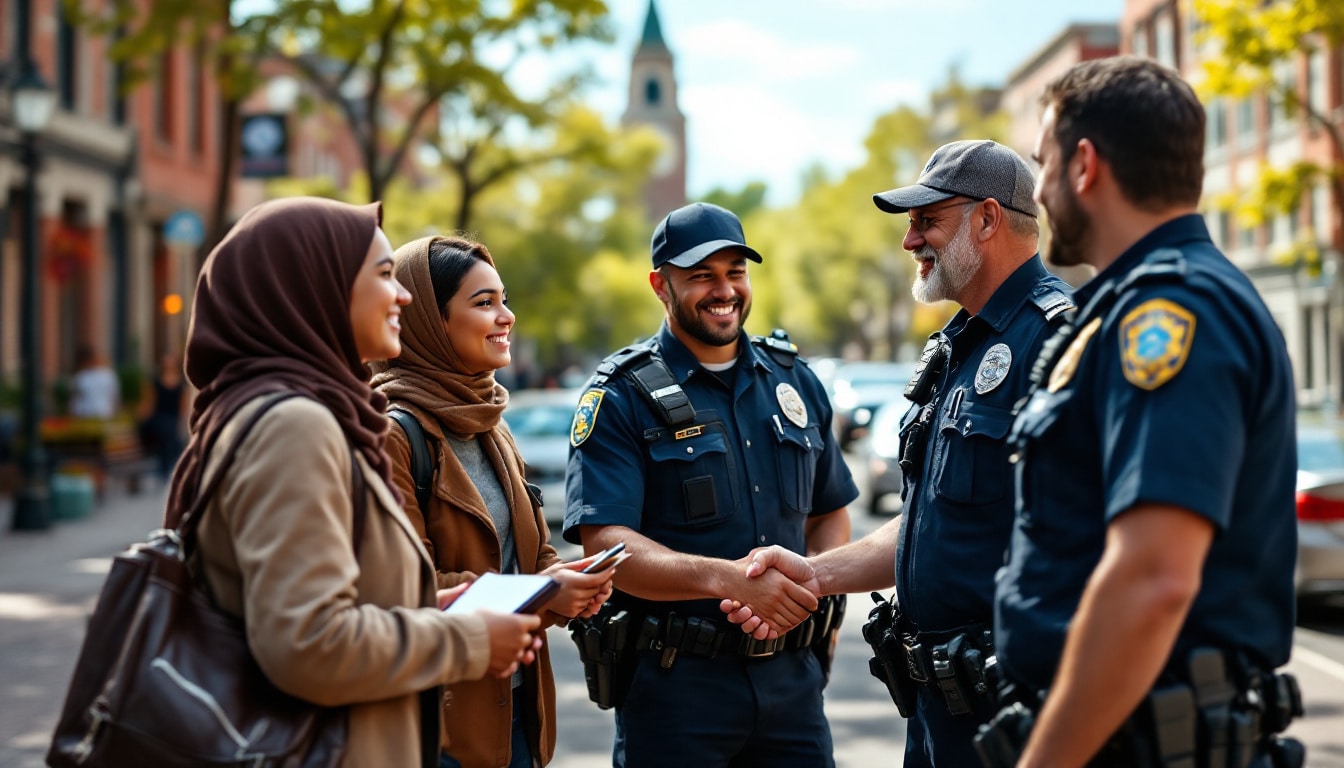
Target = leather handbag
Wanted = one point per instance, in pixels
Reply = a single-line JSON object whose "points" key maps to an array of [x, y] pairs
{"points": [[165, 678]]}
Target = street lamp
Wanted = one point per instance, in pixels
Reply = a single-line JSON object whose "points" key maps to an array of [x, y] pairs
{"points": [[31, 104]]}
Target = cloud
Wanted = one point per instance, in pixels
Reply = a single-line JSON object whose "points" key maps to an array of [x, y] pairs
{"points": [[752, 50]]}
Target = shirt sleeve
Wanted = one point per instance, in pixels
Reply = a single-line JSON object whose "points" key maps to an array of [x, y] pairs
{"points": [[1173, 391], [604, 481]]}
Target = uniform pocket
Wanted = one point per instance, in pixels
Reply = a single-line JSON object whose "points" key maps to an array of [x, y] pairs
{"points": [[973, 455], [695, 479], [799, 448]]}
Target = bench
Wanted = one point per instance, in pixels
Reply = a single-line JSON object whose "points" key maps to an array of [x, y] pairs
{"points": [[106, 449]]}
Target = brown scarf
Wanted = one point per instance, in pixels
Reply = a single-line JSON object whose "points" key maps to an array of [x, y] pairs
{"points": [[272, 312], [429, 375]]}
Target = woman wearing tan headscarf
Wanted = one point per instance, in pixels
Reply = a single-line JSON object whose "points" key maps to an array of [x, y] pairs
{"points": [[481, 516], [296, 298]]}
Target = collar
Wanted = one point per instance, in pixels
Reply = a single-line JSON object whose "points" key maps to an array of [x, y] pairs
{"points": [[684, 364], [1009, 298], [1182, 229]]}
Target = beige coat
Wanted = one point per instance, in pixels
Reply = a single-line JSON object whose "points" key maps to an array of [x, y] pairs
{"points": [[276, 544]]}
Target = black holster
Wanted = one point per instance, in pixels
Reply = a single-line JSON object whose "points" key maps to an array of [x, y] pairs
{"points": [[884, 633], [607, 654]]}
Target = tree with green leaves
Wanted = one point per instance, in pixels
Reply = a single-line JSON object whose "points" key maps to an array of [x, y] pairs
{"points": [[1253, 42]]}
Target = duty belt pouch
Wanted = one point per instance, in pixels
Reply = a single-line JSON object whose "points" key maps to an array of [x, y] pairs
{"points": [[888, 664], [607, 655]]}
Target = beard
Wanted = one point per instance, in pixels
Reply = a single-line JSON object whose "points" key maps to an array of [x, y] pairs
{"points": [[1069, 226], [691, 320], [953, 268]]}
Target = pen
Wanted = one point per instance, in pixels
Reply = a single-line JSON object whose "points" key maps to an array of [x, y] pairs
{"points": [[778, 426]]}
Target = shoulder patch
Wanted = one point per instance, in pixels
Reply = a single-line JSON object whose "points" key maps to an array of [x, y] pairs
{"points": [[585, 416], [1155, 341]]}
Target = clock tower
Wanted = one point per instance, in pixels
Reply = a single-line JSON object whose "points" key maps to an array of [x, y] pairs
{"points": [[653, 103]]}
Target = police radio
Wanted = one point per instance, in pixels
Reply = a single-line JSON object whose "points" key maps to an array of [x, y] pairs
{"points": [[930, 366]]}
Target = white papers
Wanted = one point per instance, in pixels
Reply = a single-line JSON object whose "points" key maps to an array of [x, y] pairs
{"points": [[505, 593]]}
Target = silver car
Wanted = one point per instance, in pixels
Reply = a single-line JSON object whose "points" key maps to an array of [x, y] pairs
{"points": [[1320, 509], [539, 420]]}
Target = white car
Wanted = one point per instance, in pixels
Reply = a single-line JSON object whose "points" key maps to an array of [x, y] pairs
{"points": [[1320, 509]]}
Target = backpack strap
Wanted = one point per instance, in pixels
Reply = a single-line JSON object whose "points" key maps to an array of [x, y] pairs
{"points": [[422, 469]]}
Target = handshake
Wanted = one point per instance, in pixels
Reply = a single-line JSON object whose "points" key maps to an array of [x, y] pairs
{"points": [[777, 591]]}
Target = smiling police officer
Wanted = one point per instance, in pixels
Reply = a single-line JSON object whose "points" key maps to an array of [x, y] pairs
{"points": [[973, 234], [1150, 580], [692, 448]]}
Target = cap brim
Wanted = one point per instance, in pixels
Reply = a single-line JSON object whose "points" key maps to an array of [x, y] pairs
{"points": [[704, 250], [913, 196]]}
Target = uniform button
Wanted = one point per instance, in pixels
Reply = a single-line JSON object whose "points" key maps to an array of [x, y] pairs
{"points": [[689, 449], [756, 488], [748, 443], [762, 539]]}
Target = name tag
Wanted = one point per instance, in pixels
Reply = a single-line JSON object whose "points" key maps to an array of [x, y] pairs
{"points": [[695, 431]]}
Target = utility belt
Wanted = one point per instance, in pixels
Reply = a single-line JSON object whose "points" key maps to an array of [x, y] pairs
{"points": [[1226, 716], [608, 641], [953, 666]]}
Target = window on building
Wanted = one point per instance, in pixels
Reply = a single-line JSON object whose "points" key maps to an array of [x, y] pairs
{"points": [[652, 92], [1309, 316], [1279, 113], [1318, 94], [67, 60], [164, 100], [1320, 213], [1246, 121], [1164, 38], [1246, 237], [196, 100], [1139, 41], [1217, 124]]}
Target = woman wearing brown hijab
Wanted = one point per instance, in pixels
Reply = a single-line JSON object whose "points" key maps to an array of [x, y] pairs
{"points": [[296, 298], [481, 516]]}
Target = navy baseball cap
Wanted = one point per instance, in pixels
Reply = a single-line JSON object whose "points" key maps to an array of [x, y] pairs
{"points": [[693, 233], [975, 169]]}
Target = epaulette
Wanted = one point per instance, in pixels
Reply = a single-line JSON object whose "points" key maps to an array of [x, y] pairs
{"points": [[1052, 300], [642, 364], [778, 346]]}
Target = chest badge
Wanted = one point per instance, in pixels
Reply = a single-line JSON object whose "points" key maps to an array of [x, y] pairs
{"points": [[585, 416], [1063, 371], [993, 368], [791, 403], [1155, 341]]}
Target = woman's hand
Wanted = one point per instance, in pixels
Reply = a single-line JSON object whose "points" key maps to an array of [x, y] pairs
{"points": [[515, 638], [580, 594]]}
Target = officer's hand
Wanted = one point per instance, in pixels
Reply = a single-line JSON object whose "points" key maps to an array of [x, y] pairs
{"points": [[578, 590], [512, 640], [791, 564], [776, 599]]}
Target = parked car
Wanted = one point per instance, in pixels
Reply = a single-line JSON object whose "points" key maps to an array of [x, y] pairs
{"points": [[859, 389], [539, 420], [880, 452], [1320, 508]]}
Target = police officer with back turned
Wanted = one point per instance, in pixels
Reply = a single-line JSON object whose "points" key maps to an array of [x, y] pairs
{"points": [[973, 234], [692, 448], [1148, 595]]}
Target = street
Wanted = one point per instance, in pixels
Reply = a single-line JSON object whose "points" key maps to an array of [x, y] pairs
{"points": [[49, 580]]}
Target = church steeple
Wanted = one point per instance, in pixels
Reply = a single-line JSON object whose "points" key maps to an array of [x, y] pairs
{"points": [[653, 103], [653, 31]]}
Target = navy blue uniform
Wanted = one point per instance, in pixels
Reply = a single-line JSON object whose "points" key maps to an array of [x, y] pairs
{"points": [[959, 500], [741, 475], [1175, 389]]}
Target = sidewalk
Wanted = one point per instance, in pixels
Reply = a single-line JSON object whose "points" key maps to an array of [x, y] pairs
{"points": [[48, 583]]}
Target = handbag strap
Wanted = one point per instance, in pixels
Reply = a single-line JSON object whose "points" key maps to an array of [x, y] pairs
{"points": [[186, 528]]}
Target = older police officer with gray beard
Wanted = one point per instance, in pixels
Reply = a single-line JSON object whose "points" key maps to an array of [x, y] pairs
{"points": [[973, 234]]}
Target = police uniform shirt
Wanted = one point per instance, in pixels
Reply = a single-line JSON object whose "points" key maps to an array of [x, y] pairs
{"points": [[742, 474], [1176, 390], [958, 508]]}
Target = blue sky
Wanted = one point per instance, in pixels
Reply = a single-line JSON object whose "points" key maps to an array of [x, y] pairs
{"points": [[770, 86]]}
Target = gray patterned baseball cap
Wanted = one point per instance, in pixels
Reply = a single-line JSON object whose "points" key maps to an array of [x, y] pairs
{"points": [[976, 169]]}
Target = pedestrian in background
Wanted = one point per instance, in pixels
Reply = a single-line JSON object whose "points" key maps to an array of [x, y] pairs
{"points": [[95, 392], [1149, 586], [973, 234], [298, 297], [165, 407], [481, 515], [692, 448]]}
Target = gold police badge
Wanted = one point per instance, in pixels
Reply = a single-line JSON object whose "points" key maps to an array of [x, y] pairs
{"points": [[1063, 371], [791, 403], [585, 416], [1155, 341]]}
